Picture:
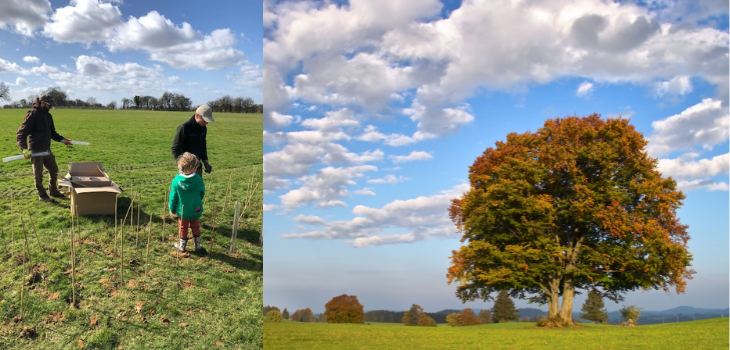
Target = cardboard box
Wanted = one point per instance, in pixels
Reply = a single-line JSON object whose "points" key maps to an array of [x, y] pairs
{"points": [[92, 192]]}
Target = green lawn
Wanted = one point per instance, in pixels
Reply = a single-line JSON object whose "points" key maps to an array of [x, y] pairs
{"points": [[184, 301], [704, 334]]}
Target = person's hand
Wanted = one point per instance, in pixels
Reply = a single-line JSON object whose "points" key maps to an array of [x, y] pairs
{"points": [[208, 168], [174, 215], [27, 153], [67, 142]]}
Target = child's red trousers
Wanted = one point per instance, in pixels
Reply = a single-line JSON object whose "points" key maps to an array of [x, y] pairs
{"points": [[183, 224]]}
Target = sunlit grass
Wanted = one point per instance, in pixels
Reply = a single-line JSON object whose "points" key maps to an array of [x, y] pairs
{"points": [[183, 302]]}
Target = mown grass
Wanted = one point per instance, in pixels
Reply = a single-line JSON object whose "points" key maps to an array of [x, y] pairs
{"points": [[704, 334], [184, 301]]}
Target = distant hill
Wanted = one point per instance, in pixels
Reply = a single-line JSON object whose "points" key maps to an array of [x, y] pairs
{"points": [[677, 314]]}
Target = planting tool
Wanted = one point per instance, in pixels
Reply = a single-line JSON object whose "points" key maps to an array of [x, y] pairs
{"points": [[20, 156], [80, 143]]}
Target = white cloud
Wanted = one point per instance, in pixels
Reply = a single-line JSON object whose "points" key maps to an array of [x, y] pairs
{"points": [[293, 160], [447, 60], [95, 66], [683, 168], [251, 75], [708, 184], [423, 218], [20, 81], [413, 156], [277, 120], [24, 15], [325, 187], [389, 179], [6, 66], [584, 89], [680, 85], [366, 191], [270, 207], [31, 59], [332, 121], [88, 21], [84, 21], [309, 219], [704, 124]]}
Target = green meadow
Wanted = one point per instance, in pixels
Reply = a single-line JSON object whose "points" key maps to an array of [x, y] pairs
{"points": [[165, 300], [704, 334]]}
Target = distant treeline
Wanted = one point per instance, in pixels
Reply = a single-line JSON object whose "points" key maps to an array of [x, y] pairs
{"points": [[169, 101], [397, 316]]}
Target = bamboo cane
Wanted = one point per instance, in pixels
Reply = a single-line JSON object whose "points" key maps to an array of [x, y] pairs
{"points": [[12, 224], [234, 231], [164, 216], [136, 231], [73, 259], [40, 247], [121, 240], [22, 280], [115, 222], [147, 255]]}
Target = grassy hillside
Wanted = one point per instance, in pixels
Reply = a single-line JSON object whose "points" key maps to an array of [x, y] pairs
{"points": [[705, 334], [165, 301]]}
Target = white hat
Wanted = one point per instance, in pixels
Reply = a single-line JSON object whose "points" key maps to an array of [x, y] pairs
{"points": [[206, 112]]}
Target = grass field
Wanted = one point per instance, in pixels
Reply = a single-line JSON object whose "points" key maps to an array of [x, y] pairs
{"points": [[184, 301], [704, 334]]}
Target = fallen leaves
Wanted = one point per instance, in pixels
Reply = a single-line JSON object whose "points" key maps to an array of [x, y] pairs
{"points": [[54, 317]]}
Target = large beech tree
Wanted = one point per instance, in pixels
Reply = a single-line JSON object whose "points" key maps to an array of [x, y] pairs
{"points": [[576, 205]]}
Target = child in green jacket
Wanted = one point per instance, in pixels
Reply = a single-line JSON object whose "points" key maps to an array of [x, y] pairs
{"points": [[186, 200]]}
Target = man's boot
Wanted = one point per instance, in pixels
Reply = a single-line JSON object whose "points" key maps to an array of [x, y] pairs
{"points": [[199, 248], [54, 192], [181, 246], [44, 198]]}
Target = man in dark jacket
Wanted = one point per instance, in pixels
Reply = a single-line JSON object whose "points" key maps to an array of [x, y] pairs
{"points": [[190, 137], [38, 127]]}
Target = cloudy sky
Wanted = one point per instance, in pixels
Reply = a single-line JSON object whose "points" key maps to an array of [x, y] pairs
{"points": [[111, 49], [376, 108]]}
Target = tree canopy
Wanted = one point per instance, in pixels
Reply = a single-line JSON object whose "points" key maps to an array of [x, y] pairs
{"points": [[485, 317], [344, 309], [410, 317], [576, 205], [468, 318]]}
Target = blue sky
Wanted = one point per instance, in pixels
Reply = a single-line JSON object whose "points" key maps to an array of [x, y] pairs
{"points": [[114, 49], [376, 109]]}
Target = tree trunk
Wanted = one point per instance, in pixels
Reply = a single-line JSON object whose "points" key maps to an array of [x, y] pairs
{"points": [[566, 312], [553, 296]]}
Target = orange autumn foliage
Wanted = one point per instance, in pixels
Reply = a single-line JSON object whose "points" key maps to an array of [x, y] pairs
{"points": [[578, 204], [344, 309]]}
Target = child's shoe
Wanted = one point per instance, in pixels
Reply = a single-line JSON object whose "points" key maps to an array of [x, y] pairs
{"points": [[181, 246], [199, 248]]}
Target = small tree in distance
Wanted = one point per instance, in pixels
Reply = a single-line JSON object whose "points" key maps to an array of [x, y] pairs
{"points": [[344, 309], [425, 321], [410, 317], [285, 314], [504, 308], [631, 314], [468, 318], [273, 316], [593, 308], [485, 317], [454, 320], [269, 308]]}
